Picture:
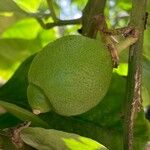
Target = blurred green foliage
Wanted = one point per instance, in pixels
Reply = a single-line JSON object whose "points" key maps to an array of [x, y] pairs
{"points": [[21, 36]]}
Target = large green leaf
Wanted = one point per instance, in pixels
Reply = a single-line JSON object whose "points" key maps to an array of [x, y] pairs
{"points": [[45, 139]]}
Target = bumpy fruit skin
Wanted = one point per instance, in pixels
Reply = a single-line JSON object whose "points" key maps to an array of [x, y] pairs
{"points": [[69, 76]]}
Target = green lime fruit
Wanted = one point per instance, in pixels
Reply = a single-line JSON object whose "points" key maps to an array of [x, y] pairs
{"points": [[69, 76]]}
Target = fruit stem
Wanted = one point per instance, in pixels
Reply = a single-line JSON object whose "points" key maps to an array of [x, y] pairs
{"points": [[133, 88]]}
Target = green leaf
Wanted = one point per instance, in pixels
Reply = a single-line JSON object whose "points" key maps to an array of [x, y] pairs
{"points": [[6, 21], [14, 91], [9, 14], [7, 121], [44, 139], [125, 5], [28, 5], [16, 50], [47, 36], [10, 6], [23, 114], [25, 29], [122, 69], [17, 47], [16, 44]]}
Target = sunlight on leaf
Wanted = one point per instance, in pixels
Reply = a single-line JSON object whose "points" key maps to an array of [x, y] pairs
{"points": [[25, 29], [6, 14], [82, 144], [122, 69], [47, 36], [5, 74], [28, 5], [58, 140], [125, 6]]}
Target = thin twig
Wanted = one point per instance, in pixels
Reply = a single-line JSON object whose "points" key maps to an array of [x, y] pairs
{"points": [[39, 15], [133, 89], [59, 23], [53, 14]]}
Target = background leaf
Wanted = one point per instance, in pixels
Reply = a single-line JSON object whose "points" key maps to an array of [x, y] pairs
{"points": [[18, 81], [29, 5], [40, 138]]}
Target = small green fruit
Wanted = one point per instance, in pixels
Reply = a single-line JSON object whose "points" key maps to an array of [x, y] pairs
{"points": [[69, 76]]}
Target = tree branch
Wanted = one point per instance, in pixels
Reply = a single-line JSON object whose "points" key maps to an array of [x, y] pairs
{"points": [[39, 15], [133, 89], [92, 9], [59, 23]]}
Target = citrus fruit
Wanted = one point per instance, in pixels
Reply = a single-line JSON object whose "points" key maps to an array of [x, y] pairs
{"points": [[69, 76]]}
